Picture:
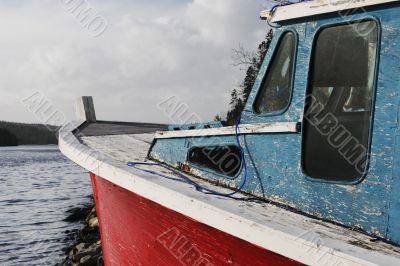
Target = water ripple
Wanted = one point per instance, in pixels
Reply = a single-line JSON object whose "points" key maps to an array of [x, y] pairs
{"points": [[37, 186]]}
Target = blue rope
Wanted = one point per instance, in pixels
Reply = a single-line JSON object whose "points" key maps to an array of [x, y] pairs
{"points": [[184, 179]]}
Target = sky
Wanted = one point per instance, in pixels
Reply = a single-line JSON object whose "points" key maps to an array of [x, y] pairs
{"points": [[130, 55]]}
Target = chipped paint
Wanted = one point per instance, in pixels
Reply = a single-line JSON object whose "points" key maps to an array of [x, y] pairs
{"points": [[287, 127], [349, 189], [274, 160], [305, 9]]}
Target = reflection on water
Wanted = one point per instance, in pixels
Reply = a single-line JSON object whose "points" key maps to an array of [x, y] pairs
{"points": [[37, 185]]}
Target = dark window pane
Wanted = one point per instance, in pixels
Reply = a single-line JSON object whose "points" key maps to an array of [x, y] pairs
{"points": [[221, 159], [277, 84], [338, 107]]}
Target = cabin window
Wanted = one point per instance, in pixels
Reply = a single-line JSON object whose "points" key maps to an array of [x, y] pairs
{"points": [[225, 160], [275, 92], [338, 112]]}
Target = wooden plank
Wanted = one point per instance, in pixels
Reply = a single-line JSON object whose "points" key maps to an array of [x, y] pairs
{"points": [[104, 128], [285, 127], [84, 109], [311, 8]]}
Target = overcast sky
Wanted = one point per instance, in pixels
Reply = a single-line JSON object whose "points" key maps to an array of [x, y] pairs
{"points": [[149, 51]]}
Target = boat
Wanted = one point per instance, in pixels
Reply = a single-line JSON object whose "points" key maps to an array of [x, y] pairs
{"points": [[308, 175]]}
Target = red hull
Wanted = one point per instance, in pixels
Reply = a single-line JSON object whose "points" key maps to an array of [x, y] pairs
{"points": [[137, 231]]}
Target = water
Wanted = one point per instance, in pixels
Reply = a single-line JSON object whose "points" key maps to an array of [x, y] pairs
{"points": [[37, 186]]}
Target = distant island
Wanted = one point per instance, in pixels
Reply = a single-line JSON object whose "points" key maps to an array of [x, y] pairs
{"points": [[13, 134]]}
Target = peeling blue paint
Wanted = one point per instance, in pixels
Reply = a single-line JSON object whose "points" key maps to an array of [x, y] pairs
{"points": [[275, 159], [215, 124]]}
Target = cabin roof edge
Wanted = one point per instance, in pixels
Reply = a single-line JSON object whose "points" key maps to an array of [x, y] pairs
{"points": [[304, 9]]}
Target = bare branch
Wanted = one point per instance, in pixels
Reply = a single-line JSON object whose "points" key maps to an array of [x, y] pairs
{"points": [[241, 56]]}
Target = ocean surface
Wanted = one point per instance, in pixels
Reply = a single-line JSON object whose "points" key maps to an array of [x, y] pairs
{"points": [[37, 186]]}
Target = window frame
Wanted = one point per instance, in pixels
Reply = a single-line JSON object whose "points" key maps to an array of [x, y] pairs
{"points": [[373, 96], [268, 69], [209, 170]]}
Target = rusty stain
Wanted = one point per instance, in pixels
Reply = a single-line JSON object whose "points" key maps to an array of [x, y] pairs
{"points": [[185, 168]]}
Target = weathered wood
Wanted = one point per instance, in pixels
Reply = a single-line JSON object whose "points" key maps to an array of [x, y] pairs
{"points": [[293, 235], [84, 109], [311, 8], [103, 128], [151, 234], [286, 127]]}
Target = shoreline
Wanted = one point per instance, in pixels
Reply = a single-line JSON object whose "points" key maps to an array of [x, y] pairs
{"points": [[86, 249]]}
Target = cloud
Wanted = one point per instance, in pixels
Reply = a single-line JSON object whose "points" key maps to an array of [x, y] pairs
{"points": [[148, 53]]}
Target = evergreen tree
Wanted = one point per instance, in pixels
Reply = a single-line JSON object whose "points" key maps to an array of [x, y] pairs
{"points": [[239, 98], [217, 118]]}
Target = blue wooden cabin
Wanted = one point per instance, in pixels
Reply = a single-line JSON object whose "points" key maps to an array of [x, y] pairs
{"points": [[320, 132]]}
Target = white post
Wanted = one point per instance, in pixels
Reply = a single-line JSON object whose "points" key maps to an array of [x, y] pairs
{"points": [[84, 109]]}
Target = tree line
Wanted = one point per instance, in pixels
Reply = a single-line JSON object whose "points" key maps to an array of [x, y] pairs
{"points": [[7, 138], [12, 134]]}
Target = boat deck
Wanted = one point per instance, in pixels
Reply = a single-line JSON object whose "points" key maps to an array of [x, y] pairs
{"points": [[103, 128], [110, 146]]}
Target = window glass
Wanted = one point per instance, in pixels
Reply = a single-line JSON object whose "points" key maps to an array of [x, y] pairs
{"points": [[276, 88], [337, 117], [225, 160]]}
